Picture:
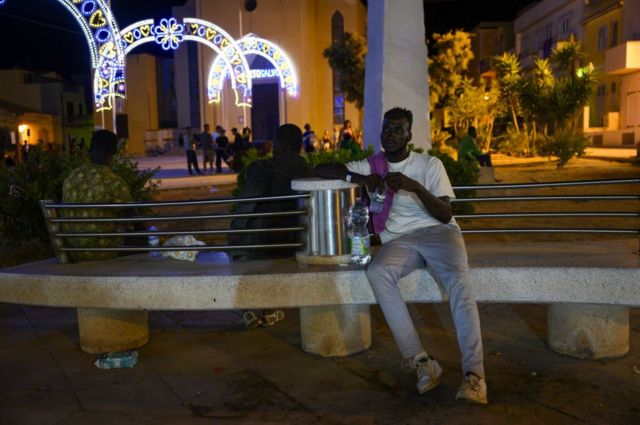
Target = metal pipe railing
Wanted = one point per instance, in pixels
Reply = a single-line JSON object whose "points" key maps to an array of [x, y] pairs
{"points": [[548, 184], [182, 232], [54, 221], [159, 204], [177, 217]]}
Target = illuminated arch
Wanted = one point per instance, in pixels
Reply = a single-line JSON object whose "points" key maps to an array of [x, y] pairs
{"points": [[251, 44], [107, 56], [169, 33]]}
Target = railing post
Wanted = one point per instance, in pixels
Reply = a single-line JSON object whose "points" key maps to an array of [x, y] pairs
{"points": [[53, 229]]}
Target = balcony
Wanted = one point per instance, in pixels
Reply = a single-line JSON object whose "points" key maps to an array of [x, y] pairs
{"points": [[623, 58]]}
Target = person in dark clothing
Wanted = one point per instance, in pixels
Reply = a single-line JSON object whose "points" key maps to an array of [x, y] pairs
{"points": [[308, 139], [206, 143], [189, 145], [222, 144], [270, 177], [240, 147]]}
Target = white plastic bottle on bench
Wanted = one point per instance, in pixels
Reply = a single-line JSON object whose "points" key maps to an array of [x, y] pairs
{"points": [[360, 241]]}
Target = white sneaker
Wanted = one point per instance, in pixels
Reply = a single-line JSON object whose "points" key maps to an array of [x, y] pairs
{"points": [[473, 390], [429, 372]]}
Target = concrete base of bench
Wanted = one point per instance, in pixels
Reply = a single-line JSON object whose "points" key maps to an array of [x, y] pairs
{"points": [[589, 293], [588, 331], [106, 330], [333, 331]]}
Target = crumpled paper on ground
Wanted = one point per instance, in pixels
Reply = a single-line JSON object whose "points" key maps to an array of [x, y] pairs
{"points": [[182, 240]]}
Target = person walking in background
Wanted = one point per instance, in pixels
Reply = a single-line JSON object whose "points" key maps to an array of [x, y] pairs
{"points": [[222, 144], [206, 143], [189, 145], [468, 150], [308, 139]]}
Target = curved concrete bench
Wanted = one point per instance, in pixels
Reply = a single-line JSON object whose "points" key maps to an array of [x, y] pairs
{"points": [[589, 287]]}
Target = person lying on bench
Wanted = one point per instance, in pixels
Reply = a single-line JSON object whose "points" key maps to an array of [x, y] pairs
{"points": [[417, 228]]}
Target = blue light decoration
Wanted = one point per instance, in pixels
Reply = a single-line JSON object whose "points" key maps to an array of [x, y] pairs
{"points": [[169, 33], [2, 2], [88, 7]]}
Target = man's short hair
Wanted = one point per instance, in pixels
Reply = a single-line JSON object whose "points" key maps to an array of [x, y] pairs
{"points": [[471, 128], [104, 144], [307, 127], [399, 113], [288, 138], [234, 130]]}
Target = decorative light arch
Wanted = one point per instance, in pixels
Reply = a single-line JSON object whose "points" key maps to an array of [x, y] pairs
{"points": [[107, 56], [251, 44], [169, 34]]}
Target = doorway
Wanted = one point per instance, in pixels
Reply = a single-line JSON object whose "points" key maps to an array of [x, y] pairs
{"points": [[265, 112]]}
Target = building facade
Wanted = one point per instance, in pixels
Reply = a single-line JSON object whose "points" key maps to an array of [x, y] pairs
{"points": [[539, 27], [54, 111], [612, 34], [489, 39], [300, 29]]}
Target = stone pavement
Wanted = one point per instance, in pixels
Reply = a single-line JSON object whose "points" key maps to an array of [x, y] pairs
{"points": [[202, 367]]}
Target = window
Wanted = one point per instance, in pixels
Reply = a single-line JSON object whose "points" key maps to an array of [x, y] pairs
{"points": [[602, 37], [80, 109], [337, 32], [614, 33], [602, 90], [564, 28], [70, 111], [526, 46]]}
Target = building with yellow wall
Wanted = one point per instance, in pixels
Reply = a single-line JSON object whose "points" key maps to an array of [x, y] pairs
{"points": [[602, 30], [302, 29]]}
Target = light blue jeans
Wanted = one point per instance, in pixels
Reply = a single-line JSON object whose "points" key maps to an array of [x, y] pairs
{"points": [[442, 248]]}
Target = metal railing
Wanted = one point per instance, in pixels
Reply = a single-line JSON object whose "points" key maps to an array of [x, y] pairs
{"points": [[56, 220]]}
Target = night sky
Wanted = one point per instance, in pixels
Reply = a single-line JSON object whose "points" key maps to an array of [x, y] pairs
{"points": [[42, 35]]}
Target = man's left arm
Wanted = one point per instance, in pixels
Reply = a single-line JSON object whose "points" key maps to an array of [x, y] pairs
{"points": [[439, 208]]}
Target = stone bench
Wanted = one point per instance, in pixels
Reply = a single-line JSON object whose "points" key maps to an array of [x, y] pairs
{"points": [[589, 288]]}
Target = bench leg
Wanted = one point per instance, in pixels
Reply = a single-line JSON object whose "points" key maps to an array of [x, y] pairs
{"points": [[588, 331], [334, 331], [105, 330]]}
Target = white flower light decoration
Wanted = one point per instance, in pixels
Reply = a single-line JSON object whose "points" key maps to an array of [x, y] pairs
{"points": [[169, 33]]}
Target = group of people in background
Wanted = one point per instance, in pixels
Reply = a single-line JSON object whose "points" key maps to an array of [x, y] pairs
{"points": [[344, 138], [216, 148]]}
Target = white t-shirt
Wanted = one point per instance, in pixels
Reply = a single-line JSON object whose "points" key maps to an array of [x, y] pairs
{"points": [[407, 213]]}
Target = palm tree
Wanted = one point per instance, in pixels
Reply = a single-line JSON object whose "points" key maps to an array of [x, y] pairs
{"points": [[509, 77]]}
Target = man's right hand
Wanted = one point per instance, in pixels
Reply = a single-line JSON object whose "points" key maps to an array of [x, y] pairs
{"points": [[373, 182]]}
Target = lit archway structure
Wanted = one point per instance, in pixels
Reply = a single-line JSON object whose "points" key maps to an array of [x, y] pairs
{"points": [[107, 55], [169, 34], [251, 44]]}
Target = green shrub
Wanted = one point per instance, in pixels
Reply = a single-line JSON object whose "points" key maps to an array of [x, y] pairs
{"points": [[513, 143], [41, 177], [460, 174], [564, 144]]}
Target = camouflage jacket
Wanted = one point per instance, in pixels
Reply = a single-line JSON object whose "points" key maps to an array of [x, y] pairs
{"points": [[93, 183]]}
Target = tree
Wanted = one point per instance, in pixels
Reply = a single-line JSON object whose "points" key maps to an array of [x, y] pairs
{"points": [[347, 58], [476, 105], [449, 57], [509, 76]]}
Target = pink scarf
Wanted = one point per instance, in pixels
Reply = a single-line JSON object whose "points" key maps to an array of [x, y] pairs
{"points": [[378, 164]]}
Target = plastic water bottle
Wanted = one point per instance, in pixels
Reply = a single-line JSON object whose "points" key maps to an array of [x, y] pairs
{"points": [[119, 360], [154, 242], [377, 201], [360, 241]]}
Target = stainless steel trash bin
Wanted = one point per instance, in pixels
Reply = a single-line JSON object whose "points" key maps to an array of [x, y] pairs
{"points": [[326, 238]]}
